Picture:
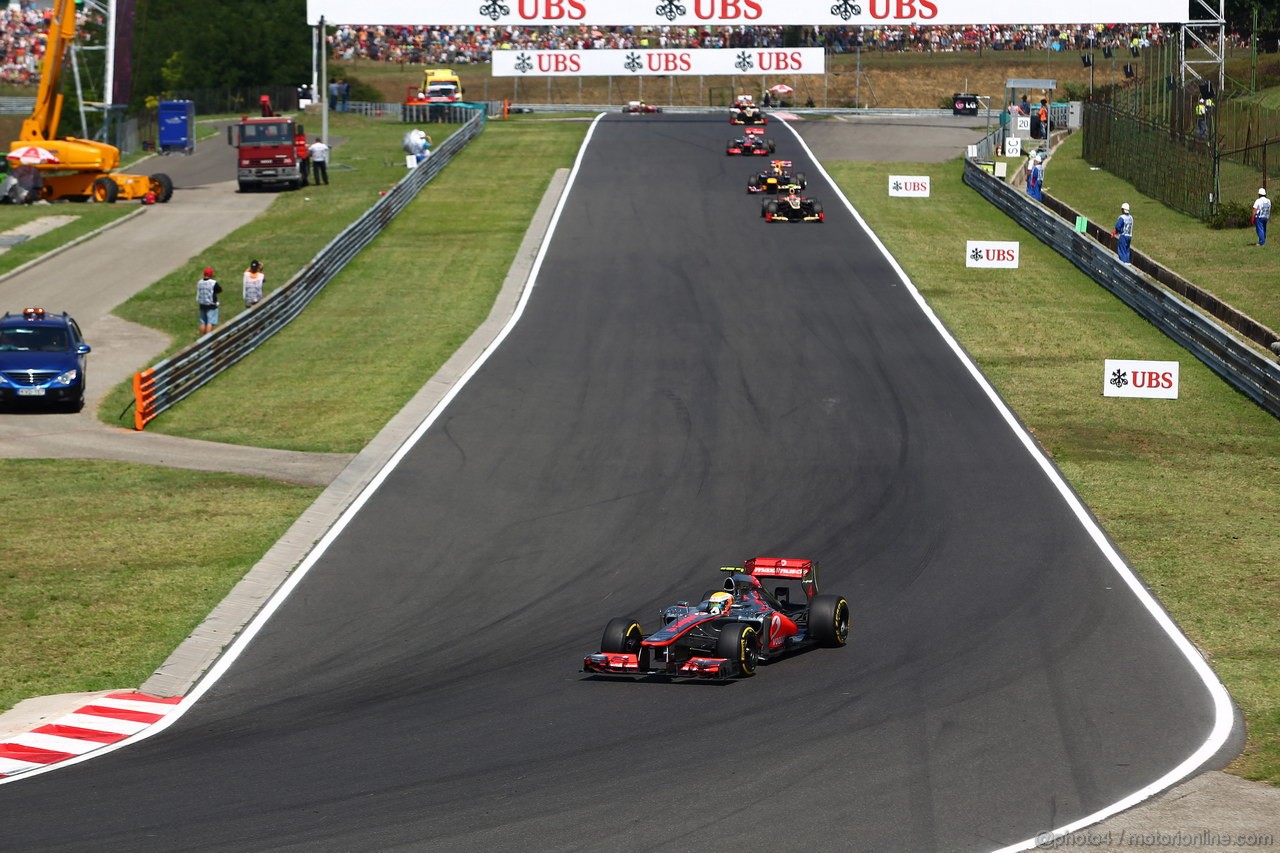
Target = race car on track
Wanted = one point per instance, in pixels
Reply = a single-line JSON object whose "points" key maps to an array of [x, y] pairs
{"points": [[640, 107], [780, 177], [792, 207], [751, 142], [732, 630], [745, 111]]}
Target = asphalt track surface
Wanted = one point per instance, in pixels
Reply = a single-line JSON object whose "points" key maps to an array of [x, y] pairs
{"points": [[687, 387]]}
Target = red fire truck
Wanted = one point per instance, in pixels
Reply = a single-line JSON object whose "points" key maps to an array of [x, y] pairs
{"points": [[271, 150]]}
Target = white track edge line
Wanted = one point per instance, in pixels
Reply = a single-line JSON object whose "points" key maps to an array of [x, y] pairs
{"points": [[1224, 715], [242, 640]]}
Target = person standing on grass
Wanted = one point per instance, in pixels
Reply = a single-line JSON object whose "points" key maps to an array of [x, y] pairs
{"points": [[1035, 178], [1261, 215], [207, 290], [1123, 233], [319, 162], [253, 279]]}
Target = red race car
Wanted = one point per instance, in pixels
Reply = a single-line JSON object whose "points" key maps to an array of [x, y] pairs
{"points": [[732, 630], [640, 107], [751, 142]]}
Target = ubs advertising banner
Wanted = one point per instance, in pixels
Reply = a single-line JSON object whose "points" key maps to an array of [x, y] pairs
{"points": [[1128, 378], [605, 63], [991, 253], [732, 13], [911, 186]]}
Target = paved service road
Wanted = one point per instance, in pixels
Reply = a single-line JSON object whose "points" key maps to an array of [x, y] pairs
{"points": [[93, 277], [688, 387]]}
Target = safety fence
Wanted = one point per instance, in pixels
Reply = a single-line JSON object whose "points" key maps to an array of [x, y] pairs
{"points": [[168, 382], [1170, 166], [423, 113], [1178, 308], [13, 106]]}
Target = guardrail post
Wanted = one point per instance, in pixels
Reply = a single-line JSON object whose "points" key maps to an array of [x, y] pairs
{"points": [[143, 398]]}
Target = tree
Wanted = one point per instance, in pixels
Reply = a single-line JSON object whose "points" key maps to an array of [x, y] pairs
{"points": [[232, 44]]}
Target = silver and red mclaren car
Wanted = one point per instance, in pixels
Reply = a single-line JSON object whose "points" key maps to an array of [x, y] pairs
{"points": [[732, 630]]}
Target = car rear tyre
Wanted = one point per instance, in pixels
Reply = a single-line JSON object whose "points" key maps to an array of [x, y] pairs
{"points": [[105, 191], [162, 185], [769, 144], [621, 636], [740, 643], [829, 620]]}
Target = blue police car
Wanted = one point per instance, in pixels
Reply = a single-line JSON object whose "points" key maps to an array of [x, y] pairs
{"points": [[42, 359]]}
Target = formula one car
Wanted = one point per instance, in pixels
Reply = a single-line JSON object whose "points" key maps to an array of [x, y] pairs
{"points": [[731, 631], [751, 142], [745, 111], [792, 207], [640, 107], [778, 178]]}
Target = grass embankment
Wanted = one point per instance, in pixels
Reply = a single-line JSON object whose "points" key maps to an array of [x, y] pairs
{"points": [[1186, 487], [398, 312]]}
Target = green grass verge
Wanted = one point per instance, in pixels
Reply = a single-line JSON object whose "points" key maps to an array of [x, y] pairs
{"points": [[110, 589], [1185, 487], [1224, 262], [367, 160], [88, 217], [364, 347]]}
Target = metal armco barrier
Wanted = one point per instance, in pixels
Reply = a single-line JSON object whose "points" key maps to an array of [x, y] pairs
{"points": [[170, 381], [1250, 372]]}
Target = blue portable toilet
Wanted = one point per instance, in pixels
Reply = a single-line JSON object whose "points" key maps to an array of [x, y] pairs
{"points": [[177, 122]]}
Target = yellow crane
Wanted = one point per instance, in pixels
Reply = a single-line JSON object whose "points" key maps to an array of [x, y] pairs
{"points": [[84, 168]]}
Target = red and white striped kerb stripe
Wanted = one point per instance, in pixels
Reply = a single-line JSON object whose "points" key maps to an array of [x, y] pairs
{"points": [[103, 721]]}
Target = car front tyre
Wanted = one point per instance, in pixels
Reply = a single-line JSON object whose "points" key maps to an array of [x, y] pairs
{"points": [[622, 635], [740, 643]]}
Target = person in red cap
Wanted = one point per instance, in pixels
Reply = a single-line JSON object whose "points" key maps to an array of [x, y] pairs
{"points": [[207, 290]]}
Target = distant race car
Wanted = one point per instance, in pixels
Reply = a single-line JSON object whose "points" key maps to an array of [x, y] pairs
{"points": [[745, 111], [792, 208], [640, 107], [752, 141], [778, 178], [732, 630]]}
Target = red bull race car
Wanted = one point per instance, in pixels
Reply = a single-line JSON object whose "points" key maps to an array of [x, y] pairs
{"points": [[751, 142], [731, 631], [792, 207], [780, 177], [745, 111]]}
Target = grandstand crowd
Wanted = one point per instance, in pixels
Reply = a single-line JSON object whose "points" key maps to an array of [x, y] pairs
{"points": [[24, 25], [22, 40], [421, 45]]}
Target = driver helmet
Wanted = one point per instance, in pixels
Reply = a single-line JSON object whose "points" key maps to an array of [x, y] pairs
{"points": [[720, 602]]}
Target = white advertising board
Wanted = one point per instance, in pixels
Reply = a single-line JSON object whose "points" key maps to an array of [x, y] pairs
{"points": [[991, 253], [909, 186], [733, 13], [671, 62], [1129, 378]]}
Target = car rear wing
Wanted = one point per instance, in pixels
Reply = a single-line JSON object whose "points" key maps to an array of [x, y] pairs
{"points": [[788, 568], [753, 131]]}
